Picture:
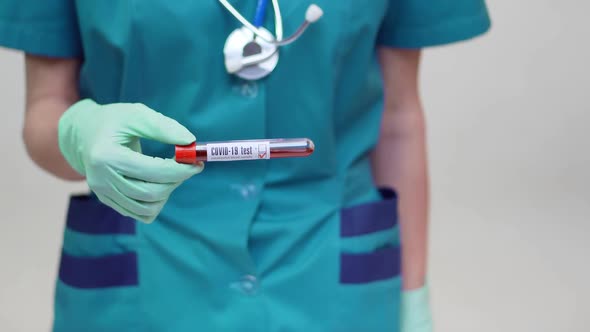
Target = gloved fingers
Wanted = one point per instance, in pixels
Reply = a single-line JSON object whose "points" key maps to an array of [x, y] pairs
{"points": [[138, 209], [151, 169], [156, 126], [123, 211], [143, 191]]}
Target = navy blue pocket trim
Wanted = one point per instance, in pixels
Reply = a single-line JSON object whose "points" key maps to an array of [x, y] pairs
{"points": [[364, 268], [371, 217], [86, 214], [99, 272]]}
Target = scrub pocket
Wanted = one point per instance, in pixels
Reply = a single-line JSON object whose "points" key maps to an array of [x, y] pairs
{"points": [[370, 241], [98, 282], [370, 264]]}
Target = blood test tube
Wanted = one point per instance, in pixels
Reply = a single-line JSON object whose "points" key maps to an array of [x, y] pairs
{"points": [[238, 150]]}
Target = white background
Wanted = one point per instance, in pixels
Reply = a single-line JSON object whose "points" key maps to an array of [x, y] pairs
{"points": [[509, 148]]}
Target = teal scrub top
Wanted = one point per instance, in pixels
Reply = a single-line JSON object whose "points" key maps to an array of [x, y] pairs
{"points": [[277, 245]]}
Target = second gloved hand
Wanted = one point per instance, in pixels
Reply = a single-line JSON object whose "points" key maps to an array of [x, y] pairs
{"points": [[102, 143], [416, 313]]}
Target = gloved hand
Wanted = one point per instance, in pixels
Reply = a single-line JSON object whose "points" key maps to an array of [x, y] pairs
{"points": [[416, 315], [102, 143]]}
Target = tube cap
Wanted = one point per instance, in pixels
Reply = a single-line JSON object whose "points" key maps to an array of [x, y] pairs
{"points": [[186, 154]]}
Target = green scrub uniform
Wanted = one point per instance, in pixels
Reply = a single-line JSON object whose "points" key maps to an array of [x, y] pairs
{"points": [[304, 244]]}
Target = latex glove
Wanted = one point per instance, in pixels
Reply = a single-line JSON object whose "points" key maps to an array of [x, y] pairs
{"points": [[102, 143], [416, 314]]}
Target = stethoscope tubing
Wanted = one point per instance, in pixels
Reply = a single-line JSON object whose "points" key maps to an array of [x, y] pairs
{"points": [[259, 16]]}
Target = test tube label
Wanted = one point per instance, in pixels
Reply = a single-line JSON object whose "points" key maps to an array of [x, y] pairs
{"points": [[233, 151]]}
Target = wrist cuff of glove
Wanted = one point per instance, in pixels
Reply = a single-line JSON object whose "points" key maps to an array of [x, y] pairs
{"points": [[416, 296], [416, 312], [67, 131]]}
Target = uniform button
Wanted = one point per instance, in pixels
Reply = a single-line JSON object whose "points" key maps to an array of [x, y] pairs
{"points": [[247, 191], [247, 89], [247, 285]]}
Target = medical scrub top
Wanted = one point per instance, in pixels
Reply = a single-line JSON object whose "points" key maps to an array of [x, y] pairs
{"points": [[302, 244]]}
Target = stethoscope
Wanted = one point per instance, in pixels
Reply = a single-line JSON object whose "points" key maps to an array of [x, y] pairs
{"points": [[251, 52]]}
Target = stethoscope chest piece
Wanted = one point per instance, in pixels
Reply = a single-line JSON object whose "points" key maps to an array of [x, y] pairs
{"points": [[251, 52], [248, 56]]}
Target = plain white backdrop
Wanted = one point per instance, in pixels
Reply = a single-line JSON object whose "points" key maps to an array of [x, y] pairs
{"points": [[509, 139]]}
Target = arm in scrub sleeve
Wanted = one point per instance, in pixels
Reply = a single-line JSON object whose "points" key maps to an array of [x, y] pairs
{"points": [[400, 158], [101, 142]]}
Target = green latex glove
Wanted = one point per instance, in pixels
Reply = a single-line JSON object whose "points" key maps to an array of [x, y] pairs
{"points": [[102, 143], [416, 314]]}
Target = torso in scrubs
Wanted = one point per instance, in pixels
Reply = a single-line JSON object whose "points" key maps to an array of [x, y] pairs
{"points": [[304, 244]]}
